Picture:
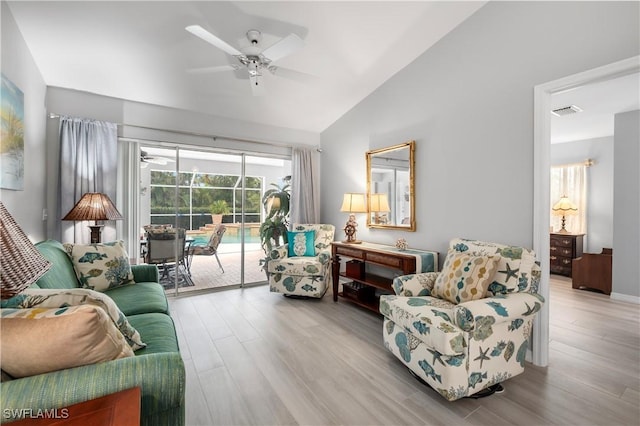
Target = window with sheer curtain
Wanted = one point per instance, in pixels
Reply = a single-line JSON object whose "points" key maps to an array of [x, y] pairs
{"points": [[570, 181]]}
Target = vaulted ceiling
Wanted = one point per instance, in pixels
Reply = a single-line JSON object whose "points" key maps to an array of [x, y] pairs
{"points": [[140, 51]]}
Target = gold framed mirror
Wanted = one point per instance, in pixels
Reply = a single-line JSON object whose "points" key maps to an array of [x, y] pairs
{"points": [[391, 187]]}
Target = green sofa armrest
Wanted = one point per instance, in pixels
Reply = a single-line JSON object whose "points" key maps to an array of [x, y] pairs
{"points": [[145, 273], [161, 377]]}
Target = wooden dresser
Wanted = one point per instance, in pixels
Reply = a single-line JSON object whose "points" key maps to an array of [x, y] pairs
{"points": [[563, 249]]}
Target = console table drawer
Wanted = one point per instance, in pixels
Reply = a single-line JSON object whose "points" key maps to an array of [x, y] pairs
{"points": [[385, 260], [350, 252]]}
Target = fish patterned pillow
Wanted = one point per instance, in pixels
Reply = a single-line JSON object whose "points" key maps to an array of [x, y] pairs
{"points": [[101, 266]]}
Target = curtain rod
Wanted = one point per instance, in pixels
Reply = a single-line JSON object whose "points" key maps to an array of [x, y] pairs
{"points": [[587, 163], [204, 135]]}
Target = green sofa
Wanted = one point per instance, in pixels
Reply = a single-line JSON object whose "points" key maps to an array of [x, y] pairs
{"points": [[157, 369]]}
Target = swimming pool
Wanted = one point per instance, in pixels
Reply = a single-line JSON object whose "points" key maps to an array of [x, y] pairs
{"points": [[203, 239]]}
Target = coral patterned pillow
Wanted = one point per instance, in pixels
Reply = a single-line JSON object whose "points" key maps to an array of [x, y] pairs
{"points": [[465, 277], [101, 266]]}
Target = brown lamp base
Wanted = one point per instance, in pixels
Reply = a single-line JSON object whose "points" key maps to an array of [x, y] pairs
{"points": [[96, 230], [352, 242]]}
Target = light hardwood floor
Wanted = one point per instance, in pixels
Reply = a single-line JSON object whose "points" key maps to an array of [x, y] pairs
{"points": [[258, 358]]}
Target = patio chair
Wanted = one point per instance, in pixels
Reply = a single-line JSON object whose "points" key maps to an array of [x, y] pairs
{"points": [[210, 248], [161, 249]]}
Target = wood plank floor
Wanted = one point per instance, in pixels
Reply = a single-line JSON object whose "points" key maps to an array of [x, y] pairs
{"points": [[258, 358]]}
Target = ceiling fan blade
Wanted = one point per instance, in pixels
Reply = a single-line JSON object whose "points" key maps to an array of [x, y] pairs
{"points": [[217, 68], [205, 35], [257, 85], [156, 160], [293, 74], [284, 47]]}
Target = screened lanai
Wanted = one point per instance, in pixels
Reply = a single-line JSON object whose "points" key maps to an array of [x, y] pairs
{"points": [[195, 190]]}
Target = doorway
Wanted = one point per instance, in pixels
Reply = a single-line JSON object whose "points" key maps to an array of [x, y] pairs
{"points": [[542, 164]]}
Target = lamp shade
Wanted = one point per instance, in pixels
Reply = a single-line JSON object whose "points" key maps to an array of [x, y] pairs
{"points": [[379, 203], [94, 206], [353, 203], [564, 207], [21, 264]]}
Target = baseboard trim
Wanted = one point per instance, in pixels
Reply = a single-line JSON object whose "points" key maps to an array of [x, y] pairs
{"points": [[625, 298]]}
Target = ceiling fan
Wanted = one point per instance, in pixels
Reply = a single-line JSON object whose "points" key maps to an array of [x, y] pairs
{"points": [[253, 58], [145, 159]]}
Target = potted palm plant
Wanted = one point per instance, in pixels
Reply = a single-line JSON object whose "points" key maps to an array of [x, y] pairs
{"points": [[218, 209], [276, 223]]}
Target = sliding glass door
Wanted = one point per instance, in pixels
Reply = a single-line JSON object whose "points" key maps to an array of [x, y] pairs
{"points": [[216, 199]]}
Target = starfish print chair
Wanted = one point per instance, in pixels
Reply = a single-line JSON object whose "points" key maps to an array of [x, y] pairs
{"points": [[466, 329], [302, 267]]}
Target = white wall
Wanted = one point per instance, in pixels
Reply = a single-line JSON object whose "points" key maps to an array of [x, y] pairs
{"points": [[18, 66], [626, 208], [599, 186], [468, 103]]}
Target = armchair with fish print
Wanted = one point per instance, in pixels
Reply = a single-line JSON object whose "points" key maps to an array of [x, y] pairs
{"points": [[467, 329], [302, 267]]}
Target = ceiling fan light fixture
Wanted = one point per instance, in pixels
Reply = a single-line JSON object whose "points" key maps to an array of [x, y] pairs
{"points": [[254, 36], [253, 57]]}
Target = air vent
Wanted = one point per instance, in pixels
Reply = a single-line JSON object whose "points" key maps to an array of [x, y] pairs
{"points": [[568, 110]]}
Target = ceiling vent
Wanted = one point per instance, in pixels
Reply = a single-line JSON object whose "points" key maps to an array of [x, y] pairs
{"points": [[568, 110]]}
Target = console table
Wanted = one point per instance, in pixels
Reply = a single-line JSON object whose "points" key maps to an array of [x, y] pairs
{"points": [[368, 286]]}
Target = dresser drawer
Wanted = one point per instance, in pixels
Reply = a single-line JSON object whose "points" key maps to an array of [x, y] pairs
{"points": [[562, 241], [563, 248], [562, 261], [561, 251]]}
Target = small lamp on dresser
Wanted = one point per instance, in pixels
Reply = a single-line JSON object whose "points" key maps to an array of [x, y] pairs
{"points": [[564, 207]]}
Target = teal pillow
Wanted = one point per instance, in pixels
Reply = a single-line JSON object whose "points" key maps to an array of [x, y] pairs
{"points": [[301, 243]]}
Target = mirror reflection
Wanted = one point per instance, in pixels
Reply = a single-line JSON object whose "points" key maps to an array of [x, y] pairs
{"points": [[390, 187]]}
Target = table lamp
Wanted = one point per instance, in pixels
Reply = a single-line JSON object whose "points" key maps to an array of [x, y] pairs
{"points": [[379, 203], [21, 264], [352, 203], [94, 206], [564, 207]]}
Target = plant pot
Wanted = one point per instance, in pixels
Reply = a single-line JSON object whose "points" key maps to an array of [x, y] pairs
{"points": [[216, 218]]}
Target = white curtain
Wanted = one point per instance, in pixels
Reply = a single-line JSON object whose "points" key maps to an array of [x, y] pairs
{"points": [[305, 191], [571, 181], [88, 163]]}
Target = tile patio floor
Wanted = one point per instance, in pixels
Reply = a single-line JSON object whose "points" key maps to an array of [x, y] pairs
{"points": [[206, 274]]}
